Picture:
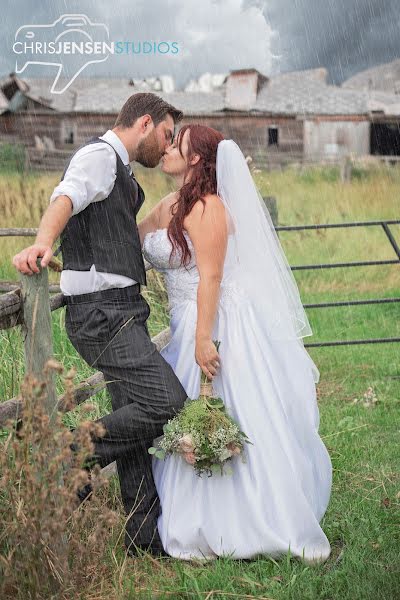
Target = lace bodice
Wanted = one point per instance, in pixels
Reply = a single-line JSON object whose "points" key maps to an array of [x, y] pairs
{"points": [[181, 281]]}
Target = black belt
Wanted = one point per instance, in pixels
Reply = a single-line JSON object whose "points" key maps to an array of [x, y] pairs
{"points": [[123, 293]]}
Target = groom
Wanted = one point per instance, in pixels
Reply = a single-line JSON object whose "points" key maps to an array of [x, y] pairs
{"points": [[93, 210]]}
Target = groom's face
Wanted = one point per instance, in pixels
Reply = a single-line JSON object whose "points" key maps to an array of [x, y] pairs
{"points": [[152, 147]]}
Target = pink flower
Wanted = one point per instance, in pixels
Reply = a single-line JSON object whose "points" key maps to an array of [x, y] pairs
{"points": [[234, 448], [186, 443], [189, 457]]}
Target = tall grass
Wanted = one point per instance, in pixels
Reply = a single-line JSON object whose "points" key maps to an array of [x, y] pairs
{"points": [[12, 158]]}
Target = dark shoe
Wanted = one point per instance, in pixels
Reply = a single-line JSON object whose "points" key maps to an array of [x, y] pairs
{"points": [[141, 549], [90, 461], [18, 428], [85, 492]]}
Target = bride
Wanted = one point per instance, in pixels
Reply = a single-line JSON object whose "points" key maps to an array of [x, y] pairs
{"points": [[228, 279]]}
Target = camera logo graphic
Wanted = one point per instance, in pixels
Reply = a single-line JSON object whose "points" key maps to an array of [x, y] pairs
{"points": [[71, 43]]}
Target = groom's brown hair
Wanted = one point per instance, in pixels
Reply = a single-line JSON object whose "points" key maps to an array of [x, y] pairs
{"points": [[146, 103]]}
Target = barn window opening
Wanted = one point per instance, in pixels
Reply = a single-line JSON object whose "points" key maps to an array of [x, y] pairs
{"points": [[69, 136], [385, 139], [273, 136], [68, 133]]}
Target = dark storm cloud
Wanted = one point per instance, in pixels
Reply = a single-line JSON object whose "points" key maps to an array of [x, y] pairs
{"points": [[344, 36]]}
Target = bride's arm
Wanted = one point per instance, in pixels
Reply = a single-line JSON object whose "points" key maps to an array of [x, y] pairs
{"points": [[150, 222], [208, 231]]}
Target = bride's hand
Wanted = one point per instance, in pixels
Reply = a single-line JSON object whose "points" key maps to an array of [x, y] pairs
{"points": [[207, 357]]}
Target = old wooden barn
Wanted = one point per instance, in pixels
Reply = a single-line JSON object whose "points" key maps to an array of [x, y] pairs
{"points": [[292, 117]]}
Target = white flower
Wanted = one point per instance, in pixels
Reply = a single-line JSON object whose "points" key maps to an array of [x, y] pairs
{"points": [[186, 443], [234, 448], [225, 454]]}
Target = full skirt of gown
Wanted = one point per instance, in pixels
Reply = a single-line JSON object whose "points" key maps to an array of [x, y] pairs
{"points": [[275, 501]]}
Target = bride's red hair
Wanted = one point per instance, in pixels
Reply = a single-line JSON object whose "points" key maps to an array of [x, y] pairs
{"points": [[203, 141]]}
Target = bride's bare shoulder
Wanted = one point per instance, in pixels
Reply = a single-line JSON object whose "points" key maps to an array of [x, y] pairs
{"points": [[212, 198], [209, 213], [211, 203]]}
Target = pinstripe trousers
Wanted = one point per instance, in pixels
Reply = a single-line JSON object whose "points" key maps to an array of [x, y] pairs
{"points": [[108, 329]]}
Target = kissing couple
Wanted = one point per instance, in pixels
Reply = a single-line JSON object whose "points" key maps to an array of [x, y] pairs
{"points": [[227, 279]]}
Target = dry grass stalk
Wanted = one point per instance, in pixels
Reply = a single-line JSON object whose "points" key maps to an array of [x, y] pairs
{"points": [[50, 546]]}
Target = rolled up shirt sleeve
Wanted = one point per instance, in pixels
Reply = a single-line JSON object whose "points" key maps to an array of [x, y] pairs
{"points": [[90, 176]]}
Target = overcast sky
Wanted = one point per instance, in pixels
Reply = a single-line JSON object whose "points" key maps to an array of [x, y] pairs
{"points": [[344, 36]]}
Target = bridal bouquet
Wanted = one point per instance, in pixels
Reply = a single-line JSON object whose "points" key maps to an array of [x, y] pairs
{"points": [[202, 433]]}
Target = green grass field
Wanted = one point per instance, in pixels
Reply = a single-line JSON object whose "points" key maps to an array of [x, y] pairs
{"points": [[362, 521]]}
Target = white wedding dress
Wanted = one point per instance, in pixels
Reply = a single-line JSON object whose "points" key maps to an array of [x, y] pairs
{"points": [[276, 500]]}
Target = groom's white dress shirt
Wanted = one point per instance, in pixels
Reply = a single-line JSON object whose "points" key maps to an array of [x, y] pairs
{"points": [[90, 178]]}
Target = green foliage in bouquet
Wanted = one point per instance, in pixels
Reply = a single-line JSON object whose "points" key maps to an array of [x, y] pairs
{"points": [[202, 433]]}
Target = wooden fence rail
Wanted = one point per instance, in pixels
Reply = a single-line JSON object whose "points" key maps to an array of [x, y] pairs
{"points": [[11, 307], [20, 231], [12, 286]]}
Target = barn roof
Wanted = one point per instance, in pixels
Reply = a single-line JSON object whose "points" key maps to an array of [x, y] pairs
{"points": [[385, 77], [106, 95], [300, 93], [39, 89], [308, 93], [108, 98]]}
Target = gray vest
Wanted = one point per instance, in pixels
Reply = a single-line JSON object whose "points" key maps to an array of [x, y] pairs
{"points": [[105, 233]]}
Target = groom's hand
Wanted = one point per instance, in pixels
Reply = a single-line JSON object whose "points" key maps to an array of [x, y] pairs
{"points": [[51, 225], [207, 357], [25, 261]]}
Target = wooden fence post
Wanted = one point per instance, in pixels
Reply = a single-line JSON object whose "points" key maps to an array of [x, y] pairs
{"points": [[345, 169], [37, 330], [38, 342]]}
